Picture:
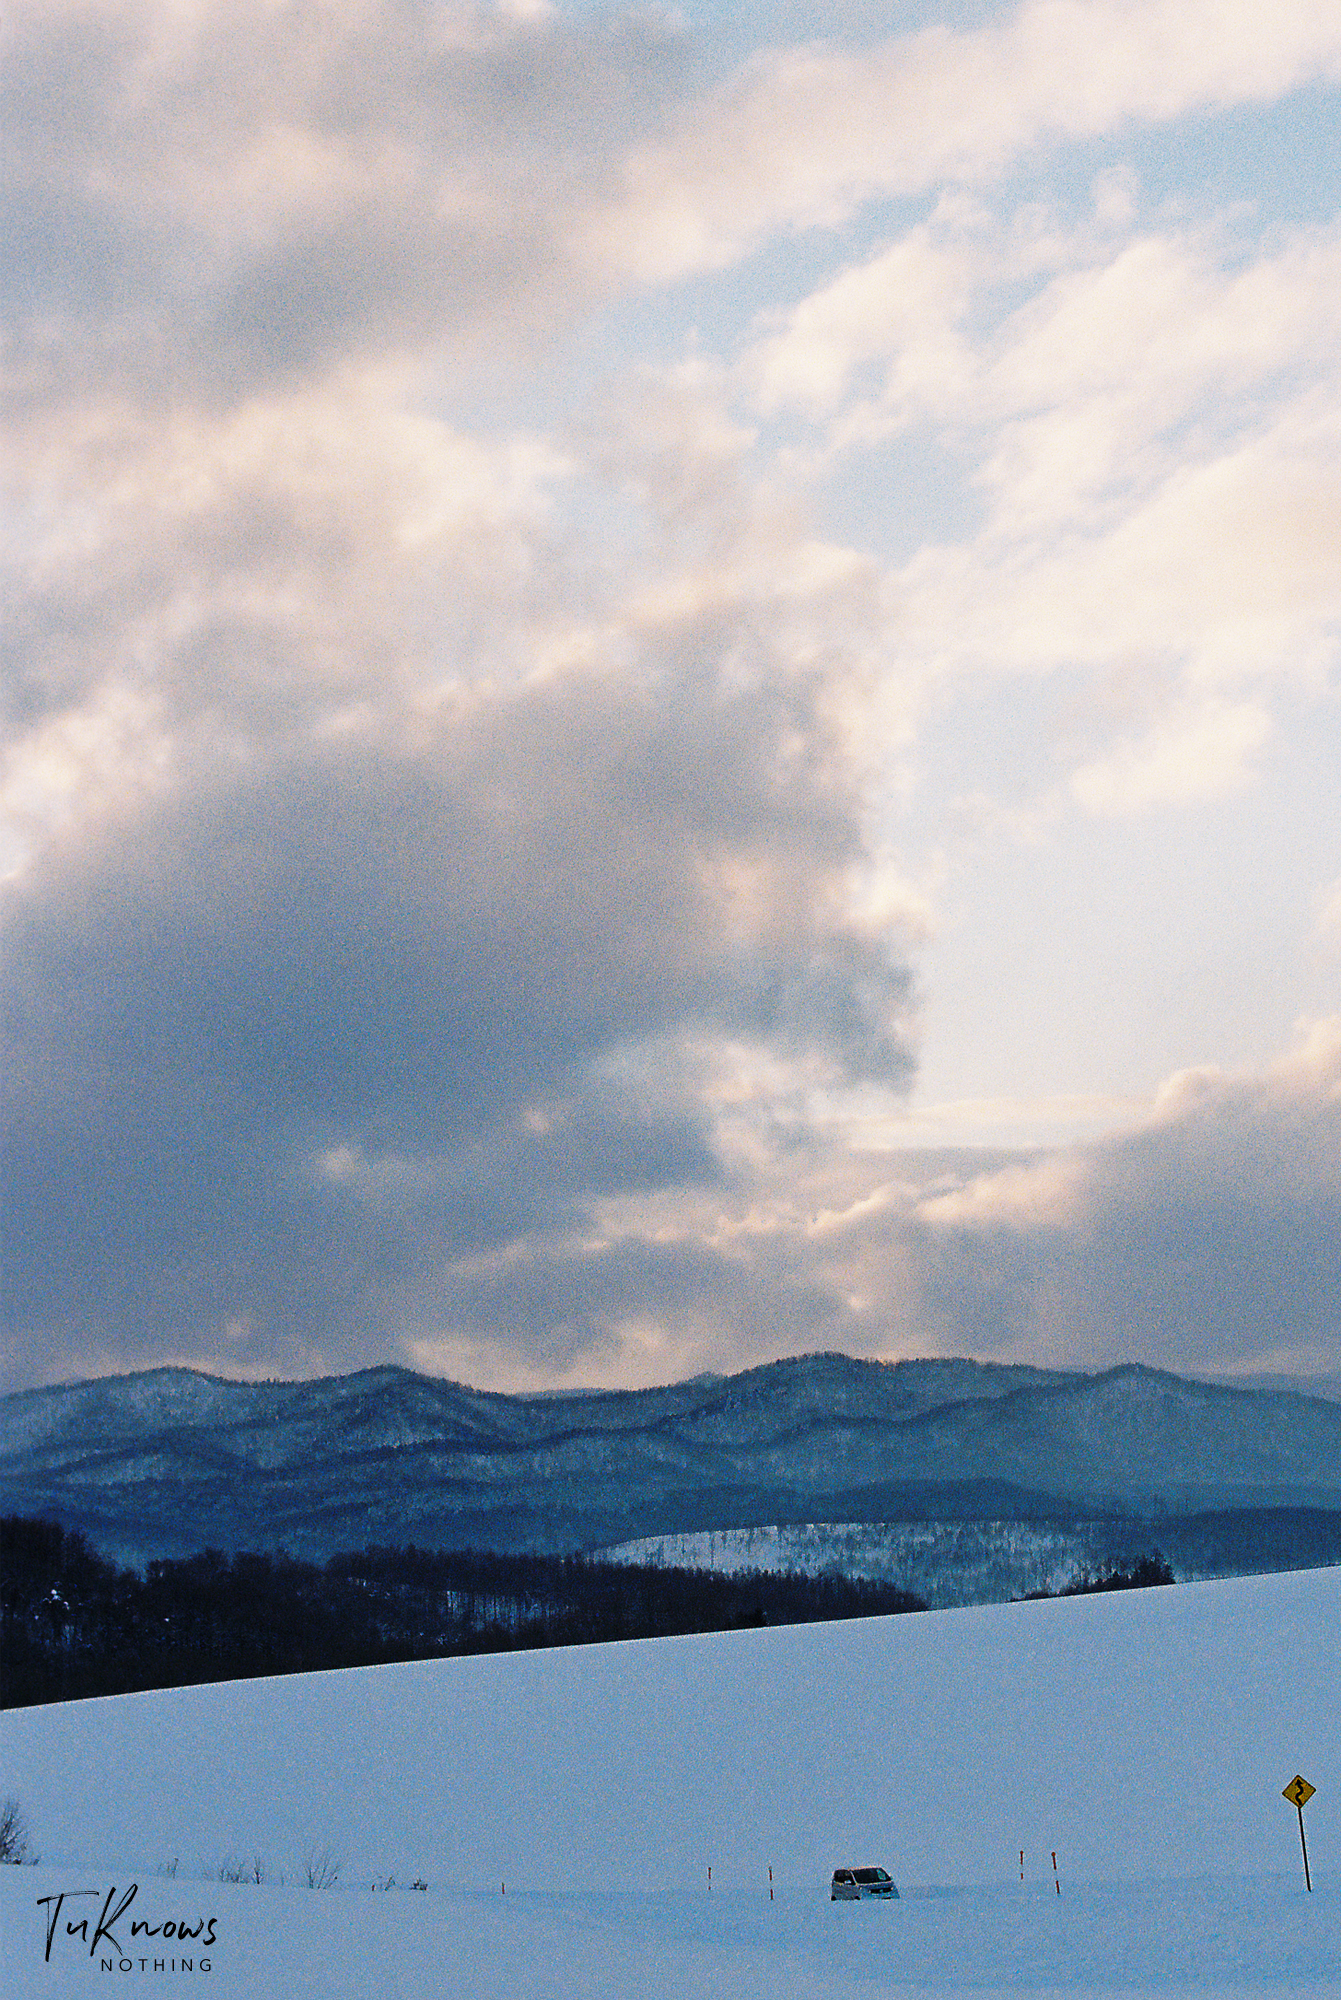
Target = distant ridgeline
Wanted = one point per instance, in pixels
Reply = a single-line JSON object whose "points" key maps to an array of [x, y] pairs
{"points": [[820, 1487], [72, 1625], [167, 1463]]}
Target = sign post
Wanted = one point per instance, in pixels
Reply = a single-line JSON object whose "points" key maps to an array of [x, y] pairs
{"points": [[1299, 1792]]}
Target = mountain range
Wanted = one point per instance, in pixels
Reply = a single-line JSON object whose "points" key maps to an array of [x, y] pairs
{"points": [[170, 1461]]}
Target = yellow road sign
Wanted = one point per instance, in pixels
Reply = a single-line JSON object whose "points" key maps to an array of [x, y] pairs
{"points": [[1299, 1791]]}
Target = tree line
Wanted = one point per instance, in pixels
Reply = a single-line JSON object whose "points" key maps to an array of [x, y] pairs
{"points": [[74, 1625], [1141, 1575]]}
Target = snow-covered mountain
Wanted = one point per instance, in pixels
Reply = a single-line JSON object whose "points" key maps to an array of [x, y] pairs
{"points": [[168, 1461]]}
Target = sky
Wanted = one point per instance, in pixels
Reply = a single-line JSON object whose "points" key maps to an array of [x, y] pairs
{"points": [[671, 686]]}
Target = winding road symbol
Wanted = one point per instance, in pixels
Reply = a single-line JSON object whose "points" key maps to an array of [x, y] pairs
{"points": [[1299, 1792]]}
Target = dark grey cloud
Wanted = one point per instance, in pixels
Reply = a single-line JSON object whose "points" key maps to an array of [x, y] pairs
{"points": [[1206, 1240], [287, 1048], [400, 884], [569, 1310], [1209, 1237]]}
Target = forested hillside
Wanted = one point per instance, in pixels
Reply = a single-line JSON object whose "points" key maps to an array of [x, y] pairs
{"points": [[74, 1625]]}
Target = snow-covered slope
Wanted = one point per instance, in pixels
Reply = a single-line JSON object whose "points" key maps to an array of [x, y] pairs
{"points": [[953, 1563], [1145, 1737], [945, 1563]]}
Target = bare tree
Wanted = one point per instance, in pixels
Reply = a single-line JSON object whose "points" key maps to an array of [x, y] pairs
{"points": [[13, 1832], [323, 1870]]}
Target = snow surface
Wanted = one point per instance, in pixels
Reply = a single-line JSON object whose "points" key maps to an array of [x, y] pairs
{"points": [[1145, 1736], [946, 1563]]}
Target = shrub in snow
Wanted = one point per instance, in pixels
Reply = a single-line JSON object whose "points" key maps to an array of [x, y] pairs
{"points": [[234, 1870]]}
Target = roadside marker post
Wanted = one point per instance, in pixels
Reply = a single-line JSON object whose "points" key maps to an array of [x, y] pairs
{"points": [[1055, 1876], [1022, 1864], [770, 1885], [1299, 1792]]}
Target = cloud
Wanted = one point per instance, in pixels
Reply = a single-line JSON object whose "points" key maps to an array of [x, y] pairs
{"points": [[452, 908], [1202, 1238], [401, 871], [902, 307], [330, 1009], [805, 135], [1206, 1237], [1201, 754], [255, 571], [1151, 430], [212, 199]]}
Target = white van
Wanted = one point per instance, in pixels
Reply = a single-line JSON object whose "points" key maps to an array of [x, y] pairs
{"points": [[851, 1884]]}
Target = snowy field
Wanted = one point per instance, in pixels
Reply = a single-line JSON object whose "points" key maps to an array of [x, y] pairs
{"points": [[1143, 1736]]}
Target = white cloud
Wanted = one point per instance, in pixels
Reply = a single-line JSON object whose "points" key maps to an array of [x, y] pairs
{"points": [[1154, 433], [1202, 1236], [1047, 1195], [901, 307], [473, 868], [1201, 754], [807, 134], [234, 579]]}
